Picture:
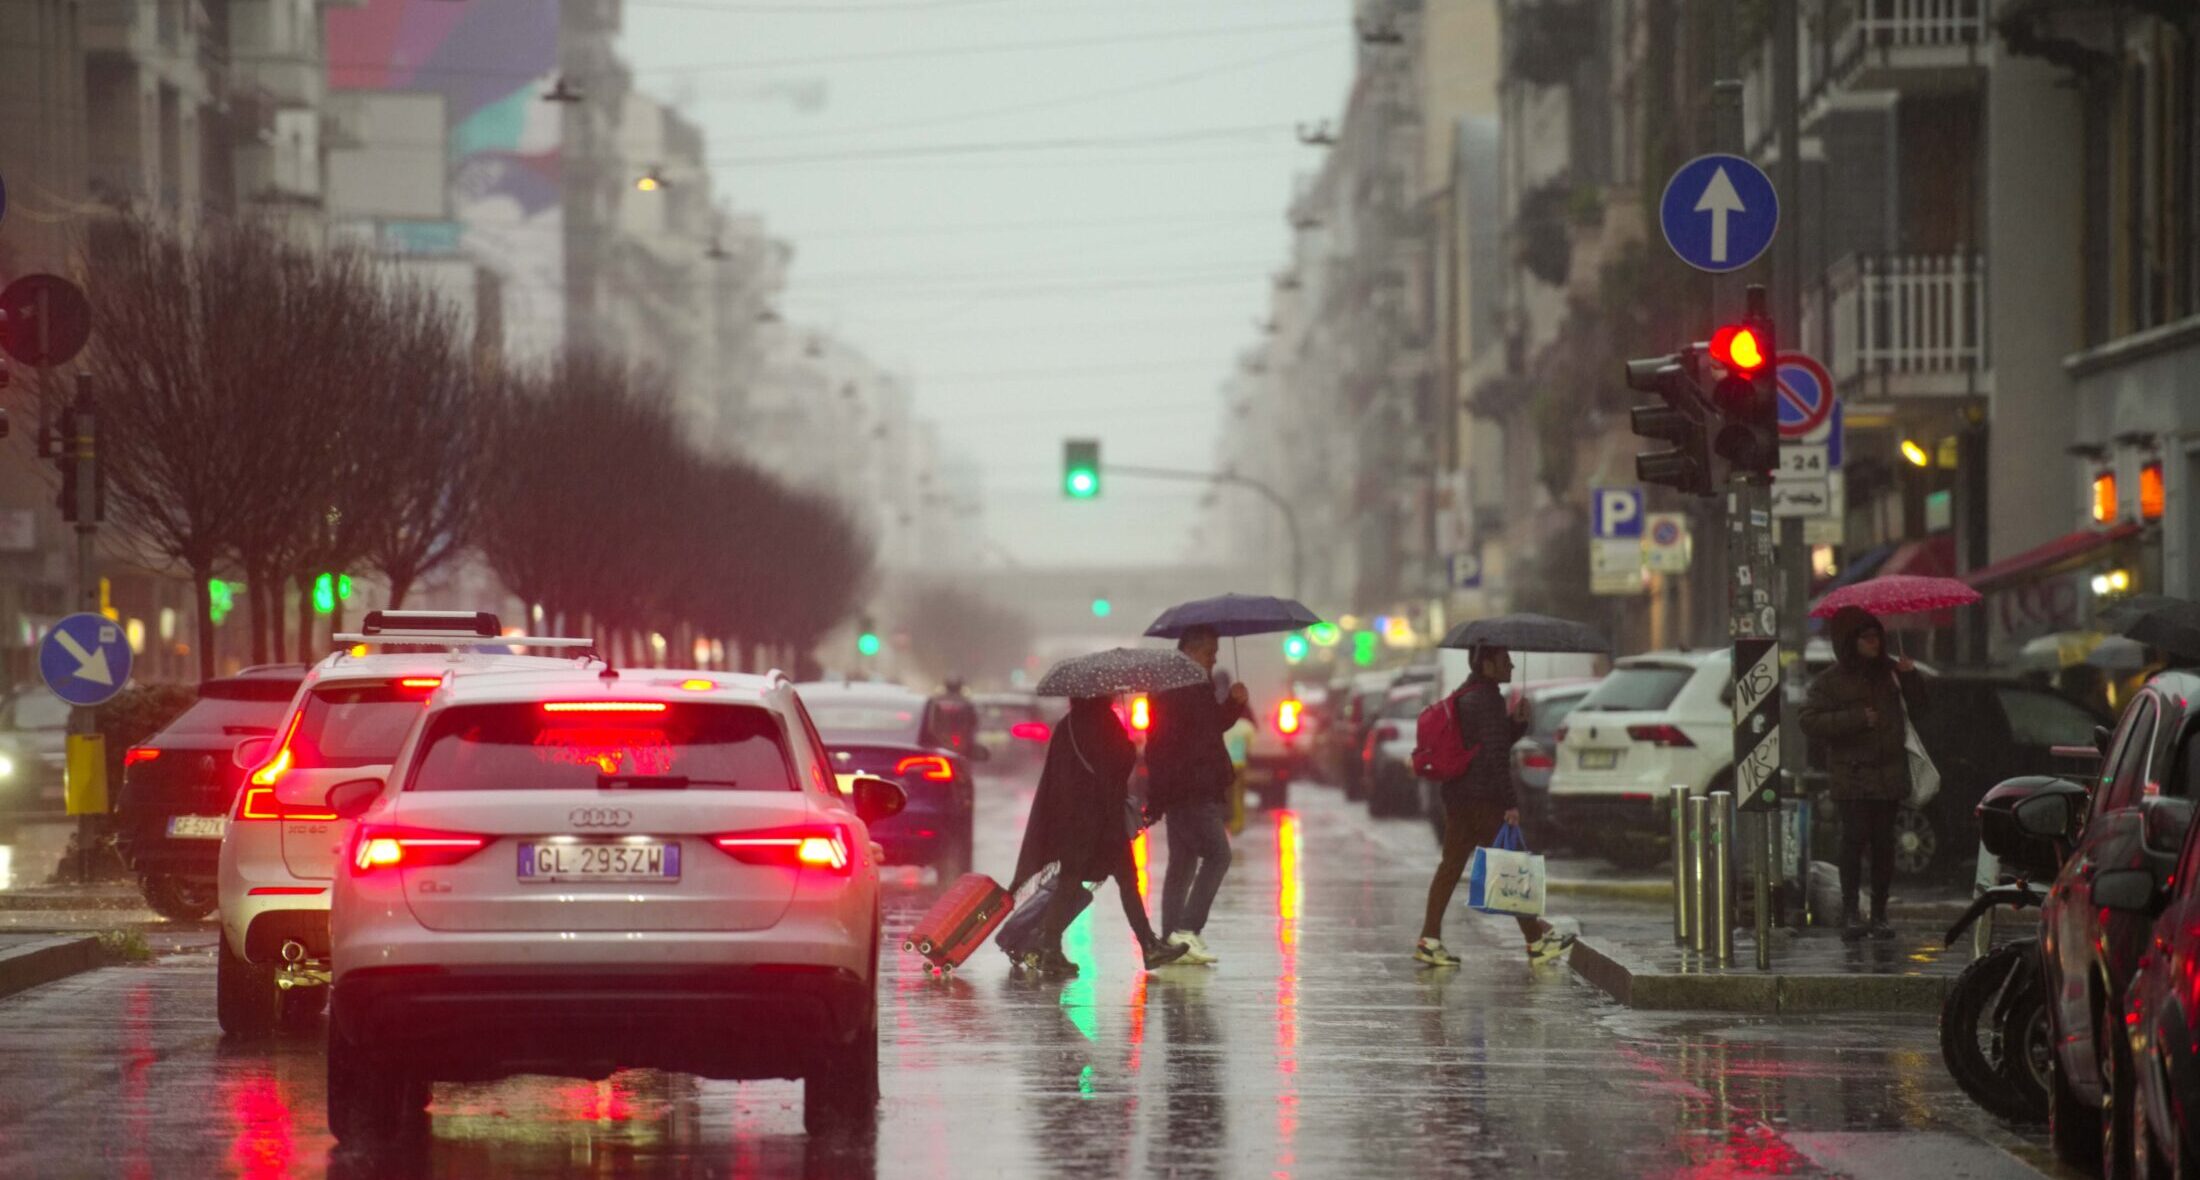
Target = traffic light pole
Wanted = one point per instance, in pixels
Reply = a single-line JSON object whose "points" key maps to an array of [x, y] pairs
{"points": [[83, 458], [1290, 515]]}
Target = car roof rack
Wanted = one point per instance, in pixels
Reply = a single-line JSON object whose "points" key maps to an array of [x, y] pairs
{"points": [[448, 639], [480, 624]]}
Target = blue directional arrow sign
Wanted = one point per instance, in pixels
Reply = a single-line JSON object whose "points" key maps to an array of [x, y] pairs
{"points": [[85, 659], [1719, 213]]}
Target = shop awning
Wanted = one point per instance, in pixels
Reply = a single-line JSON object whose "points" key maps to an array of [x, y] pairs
{"points": [[1860, 567], [2057, 556], [1933, 557]]}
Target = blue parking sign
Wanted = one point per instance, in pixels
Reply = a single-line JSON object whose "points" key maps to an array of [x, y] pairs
{"points": [[1615, 514]]}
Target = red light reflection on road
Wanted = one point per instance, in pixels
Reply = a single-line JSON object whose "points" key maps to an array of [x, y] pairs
{"points": [[593, 1102], [1138, 1019], [1138, 858], [137, 1061], [259, 1115], [1287, 990]]}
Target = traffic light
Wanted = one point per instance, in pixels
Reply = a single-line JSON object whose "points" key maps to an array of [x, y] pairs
{"points": [[1680, 421], [1294, 647], [1081, 468], [1747, 397], [1101, 607], [867, 640]]}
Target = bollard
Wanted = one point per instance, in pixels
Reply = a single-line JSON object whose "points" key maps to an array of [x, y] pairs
{"points": [[1678, 795], [1722, 875], [1699, 871]]}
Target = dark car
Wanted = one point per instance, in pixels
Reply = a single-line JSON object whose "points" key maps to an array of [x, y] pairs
{"points": [[179, 785], [2090, 952], [893, 733], [2162, 1016], [1013, 727]]}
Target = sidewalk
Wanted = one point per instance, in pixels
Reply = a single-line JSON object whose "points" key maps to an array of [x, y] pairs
{"points": [[1627, 950]]}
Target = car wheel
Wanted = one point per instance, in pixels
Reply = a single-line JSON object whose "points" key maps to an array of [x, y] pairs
{"points": [[2113, 1050], [301, 1006], [178, 899], [840, 1092], [371, 1103], [2073, 1128], [2147, 1160], [1916, 841], [246, 1000]]}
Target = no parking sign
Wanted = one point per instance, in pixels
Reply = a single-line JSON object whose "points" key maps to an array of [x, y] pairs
{"points": [[1806, 395]]}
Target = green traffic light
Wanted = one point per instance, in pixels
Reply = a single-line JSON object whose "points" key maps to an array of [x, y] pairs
{"points": [[1102, 608], [324, 594], [1082, 484], [1324, 634], [1294, 647], [867, 644], [1363, 648]]}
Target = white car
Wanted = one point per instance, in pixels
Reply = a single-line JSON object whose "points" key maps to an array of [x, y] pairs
{"points": [[1657, 721], [280, 842], [578, 873]]}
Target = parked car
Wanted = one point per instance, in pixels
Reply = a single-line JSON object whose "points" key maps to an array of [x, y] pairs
{"points": [[1657, 720], [1550, 703], [179, 784], [1387, 758], [1014, 728], [2162, 1014], [1363, 700], [889, 732], [34, 745], [2090, 950]]}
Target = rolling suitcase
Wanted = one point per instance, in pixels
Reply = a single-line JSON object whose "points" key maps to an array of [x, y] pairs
{"points": [[1019, 935], [972, 908]]}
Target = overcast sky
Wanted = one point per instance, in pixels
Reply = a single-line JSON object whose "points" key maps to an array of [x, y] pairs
{"points": [[1100, 285]]}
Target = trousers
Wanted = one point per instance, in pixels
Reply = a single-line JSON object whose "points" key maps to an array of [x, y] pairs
{"points": [[1199, 855]]}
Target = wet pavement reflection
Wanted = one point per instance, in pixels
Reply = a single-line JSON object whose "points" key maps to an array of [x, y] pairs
{"points": [[1315, 1048]]}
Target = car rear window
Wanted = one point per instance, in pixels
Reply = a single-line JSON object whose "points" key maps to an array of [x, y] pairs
{"points": [[867, 721], [1637, 688], [256, 688], [526, 746], [1550, 713], [348, 725], [219, 717], [1002, 716]]}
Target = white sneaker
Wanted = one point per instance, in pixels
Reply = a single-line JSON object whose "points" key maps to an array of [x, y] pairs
{"points": [[1432, 952], [1554, 943], [1195, 951]]}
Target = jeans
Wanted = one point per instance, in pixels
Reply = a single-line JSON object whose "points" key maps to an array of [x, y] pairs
{"points": [[1867, 824], [1199, 854]]}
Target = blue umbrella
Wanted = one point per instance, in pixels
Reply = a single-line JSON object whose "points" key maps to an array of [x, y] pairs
{"points": [[1233, 615]]}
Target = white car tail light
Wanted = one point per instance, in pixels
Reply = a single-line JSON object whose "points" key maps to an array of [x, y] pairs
{"points": [[816, 846], [376, 848]]}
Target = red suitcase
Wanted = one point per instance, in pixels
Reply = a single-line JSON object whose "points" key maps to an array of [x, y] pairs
{"points": [[960, 921]]}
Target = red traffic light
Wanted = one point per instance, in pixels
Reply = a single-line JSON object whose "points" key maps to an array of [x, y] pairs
{"points": [[1741, 349]]}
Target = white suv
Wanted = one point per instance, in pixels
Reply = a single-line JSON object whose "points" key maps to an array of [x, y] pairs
{"points": [[578, 873], [1657, 721], [279, 847]]}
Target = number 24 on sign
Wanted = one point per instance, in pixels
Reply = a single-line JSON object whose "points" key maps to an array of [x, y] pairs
{"points": [[1803, 461]]}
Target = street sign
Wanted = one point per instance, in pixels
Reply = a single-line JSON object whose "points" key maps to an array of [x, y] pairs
{"points": [[1665, 543], [1615, 566], [1466, 571], [1719, 213], [85, 659], [1806, 394], [1804, 461], [44, 320], [1616, 513], [1802, 497]]}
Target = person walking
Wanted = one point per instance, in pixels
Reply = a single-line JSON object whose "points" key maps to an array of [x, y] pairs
{"points": [[1478, 803], [1859, 711], [1188, 775], [1079, 822]]}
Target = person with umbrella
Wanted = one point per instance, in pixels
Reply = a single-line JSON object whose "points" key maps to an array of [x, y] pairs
{"points": [[1859, 710], [1478, 803], [1078, 823], [1189, 775]]}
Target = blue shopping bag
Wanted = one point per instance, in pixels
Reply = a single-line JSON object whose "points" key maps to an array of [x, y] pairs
{"points": [[1505, 878]]}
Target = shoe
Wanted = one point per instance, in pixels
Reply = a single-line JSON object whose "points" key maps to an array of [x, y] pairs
{"points": [[1852, 927], [1056, 965], [1431, 951], [1195, 948], [1554, 943], [1880, 930], [1161, 954]]}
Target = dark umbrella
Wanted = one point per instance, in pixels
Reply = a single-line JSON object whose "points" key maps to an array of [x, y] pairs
{"points": [[1119, 670], [2171, 624], [1234, 615], [1526, 632]]}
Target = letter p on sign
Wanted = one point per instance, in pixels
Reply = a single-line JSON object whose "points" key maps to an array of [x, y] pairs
{"points": [[1618, 513]]}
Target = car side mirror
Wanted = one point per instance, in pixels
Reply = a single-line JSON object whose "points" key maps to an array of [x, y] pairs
{"points": [[350, 800], [2130, 891], [2101, 734], [877, 799], [251, 753], [2050, 817]]}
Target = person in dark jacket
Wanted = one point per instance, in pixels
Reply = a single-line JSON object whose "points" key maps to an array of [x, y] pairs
{"points": [[1859, 710], [1189, 773], [1478, 803], [1078, 822]]}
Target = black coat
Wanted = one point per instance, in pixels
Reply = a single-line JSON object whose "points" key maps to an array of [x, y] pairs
{"points": [[1866, 760], [1186, 759], [1478, 709], [1078, 814]]}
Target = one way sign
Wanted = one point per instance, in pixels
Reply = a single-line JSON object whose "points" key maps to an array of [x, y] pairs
{"points": [[85, 659]]}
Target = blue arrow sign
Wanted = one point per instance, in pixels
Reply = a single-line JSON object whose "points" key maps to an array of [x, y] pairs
{"points": [[85, 659], [1719, 213]]}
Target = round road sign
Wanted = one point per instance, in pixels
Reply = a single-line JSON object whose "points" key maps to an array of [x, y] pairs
{"points": [[1806, 394], [1719, 212], [44, 320]]}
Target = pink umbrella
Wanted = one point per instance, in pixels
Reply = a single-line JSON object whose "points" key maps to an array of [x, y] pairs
{"points": [[1897, 594]]}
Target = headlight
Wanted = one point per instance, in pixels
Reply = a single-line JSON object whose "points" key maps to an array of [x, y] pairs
{"points": [[7, 766]]}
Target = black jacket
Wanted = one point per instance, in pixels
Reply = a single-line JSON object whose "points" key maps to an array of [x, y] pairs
{"points": [[1866, 761], [1186, 758], [1077, 812], [1478, 709]]}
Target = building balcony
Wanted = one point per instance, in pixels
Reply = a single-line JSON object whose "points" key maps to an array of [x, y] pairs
{"points": [[1917, 46], [1903, 325]]}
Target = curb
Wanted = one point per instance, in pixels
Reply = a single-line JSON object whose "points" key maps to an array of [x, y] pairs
{"points": [[1745, 991], [1619, 890], [49, 902], [46, 960]]}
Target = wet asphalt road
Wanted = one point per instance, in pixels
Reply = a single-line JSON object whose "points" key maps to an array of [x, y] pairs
{"points": [[1316, 1048]]}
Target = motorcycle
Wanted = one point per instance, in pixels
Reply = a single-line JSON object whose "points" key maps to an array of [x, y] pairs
{"points": [[1993, 1023]]}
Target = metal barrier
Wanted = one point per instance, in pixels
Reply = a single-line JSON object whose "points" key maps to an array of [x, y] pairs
{"points": [[1723, 831], [1705, 831], [1683, 884]]}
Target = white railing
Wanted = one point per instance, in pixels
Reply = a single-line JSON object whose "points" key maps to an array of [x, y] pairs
{"points": [[1904, 314], [1883, 25]]}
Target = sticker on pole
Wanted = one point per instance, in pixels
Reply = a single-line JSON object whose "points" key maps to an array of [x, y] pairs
{"points": [[85, 659], [1719, 213], [1805, 392]]}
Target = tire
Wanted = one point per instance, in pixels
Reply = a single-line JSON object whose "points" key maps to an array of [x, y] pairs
{"points": [[246, 1000], [840, 1091], [2073, 1128], [1973, 1033], [2147, 1160], [370, 1103], [1917, 841], [179, 899], [2118, 1096]]}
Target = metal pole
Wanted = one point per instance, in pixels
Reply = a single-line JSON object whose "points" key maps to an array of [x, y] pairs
{"points": [[1699, 837], [1722, 874], [1290, 514], [1682, 883], [81, 442]]}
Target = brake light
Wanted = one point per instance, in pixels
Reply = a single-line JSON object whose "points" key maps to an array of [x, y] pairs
{"points": [[1385, 733], [803, 847], [1288, 717], [1030, 731], [1537, 760], [273, 770], [1659, 735], [410, 848], [137, 754], [261, 803], [603, 706], [931, 767], [1141, 714], [698, 685], [420, 682]]}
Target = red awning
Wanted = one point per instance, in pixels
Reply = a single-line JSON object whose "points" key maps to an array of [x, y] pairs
{"points": [[1933, 557], [2062, 553]]}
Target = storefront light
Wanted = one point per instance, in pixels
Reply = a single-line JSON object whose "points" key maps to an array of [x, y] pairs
{"points": [[2116, 581], [1915, 452], [2151, 495], [2104, 497]]}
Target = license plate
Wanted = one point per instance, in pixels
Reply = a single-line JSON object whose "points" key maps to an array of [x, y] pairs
{"points": [[197, 827], [1599, 759], [640, 860]]}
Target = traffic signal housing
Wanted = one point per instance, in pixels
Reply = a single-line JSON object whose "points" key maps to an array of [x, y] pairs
{"points": [[1747, 397], [1681, 421], [1081, 468]]}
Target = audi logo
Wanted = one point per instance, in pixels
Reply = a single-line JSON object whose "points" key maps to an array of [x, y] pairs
{"points": [[600, 817]]}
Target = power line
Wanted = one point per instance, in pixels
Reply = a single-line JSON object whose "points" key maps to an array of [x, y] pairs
{"points": [[1004, 227]]}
